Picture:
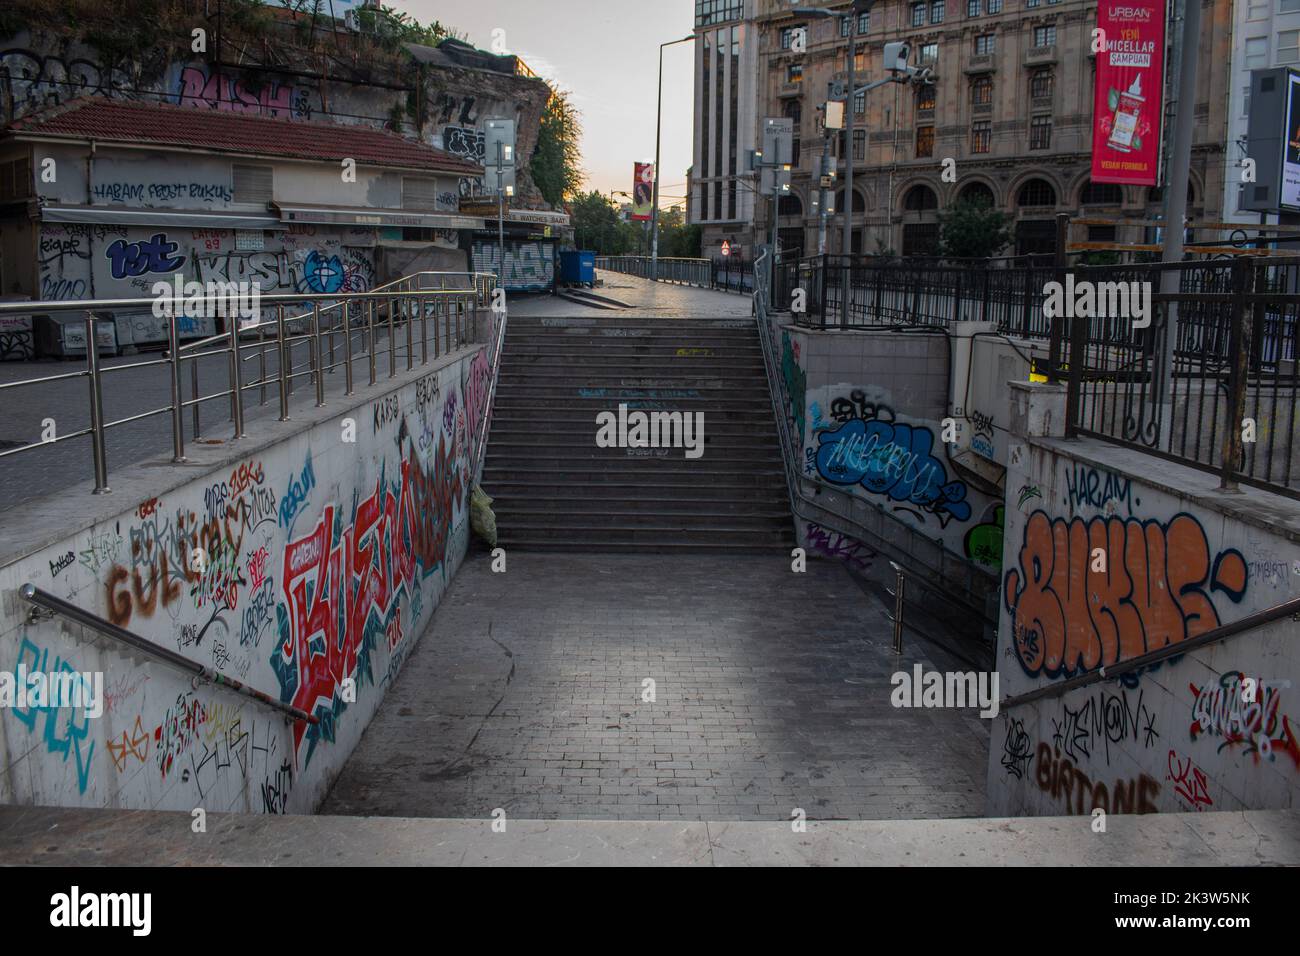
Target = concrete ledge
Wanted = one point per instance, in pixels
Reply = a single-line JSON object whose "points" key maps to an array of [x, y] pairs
{"points": [[75, 837], [1262, 509]]}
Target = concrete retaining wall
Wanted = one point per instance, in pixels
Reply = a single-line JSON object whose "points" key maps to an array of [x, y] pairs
{"points": [[322, 556], [1110, 553]]}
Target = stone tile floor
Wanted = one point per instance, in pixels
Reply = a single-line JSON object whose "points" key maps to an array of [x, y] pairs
{"points": [[771, 692]]}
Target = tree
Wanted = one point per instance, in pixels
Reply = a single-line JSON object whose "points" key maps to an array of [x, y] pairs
{"points": [[556, 164], [973, 228], [596, 224]]}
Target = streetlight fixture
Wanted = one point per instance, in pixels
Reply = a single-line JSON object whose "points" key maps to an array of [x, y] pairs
{"points": [[659, 115]]}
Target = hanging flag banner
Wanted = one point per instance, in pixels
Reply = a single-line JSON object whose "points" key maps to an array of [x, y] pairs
{"points": [[1128, 102], [643, 190]]}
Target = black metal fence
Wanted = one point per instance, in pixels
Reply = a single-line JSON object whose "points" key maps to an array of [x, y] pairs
{"points": [[727, 273]]}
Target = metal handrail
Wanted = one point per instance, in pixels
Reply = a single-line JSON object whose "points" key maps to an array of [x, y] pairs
{"points": [[1222, 632], [34, 595], [801, 503], [494, 364], [379, 304]]}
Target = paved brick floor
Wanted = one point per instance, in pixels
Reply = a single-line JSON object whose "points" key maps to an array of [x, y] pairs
{"points": [[772, 692]]}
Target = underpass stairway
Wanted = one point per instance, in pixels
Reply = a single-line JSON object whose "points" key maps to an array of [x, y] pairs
{"points": [[555, 489]]}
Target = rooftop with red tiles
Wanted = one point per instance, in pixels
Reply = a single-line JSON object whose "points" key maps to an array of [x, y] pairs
{"points": [[166, 125]]}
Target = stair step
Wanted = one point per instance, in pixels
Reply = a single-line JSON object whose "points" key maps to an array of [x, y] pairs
{"points": [[778, 549]]}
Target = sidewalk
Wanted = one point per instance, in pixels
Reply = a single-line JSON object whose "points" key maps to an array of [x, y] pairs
{"points": [[69, 837]]}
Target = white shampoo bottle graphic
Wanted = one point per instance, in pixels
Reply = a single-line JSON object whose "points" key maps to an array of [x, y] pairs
{"points": [[1126, 117]]}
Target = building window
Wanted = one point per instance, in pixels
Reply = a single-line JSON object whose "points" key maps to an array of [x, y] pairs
{"points": [[929, 52], [1036, 192], [709, 12], [860, 102], [1031, 3], [787, 37], [1258, 9], [1256, 53], [1044, 36], [1100, 194], [1288, 46], [794, 73], [972, 8], [920, 199], [859, 145], [864, 22], [924, 141], [253, 184], [16, 179], [1040, 84], [994, 6], [981, 91], [981, 135], [1289, 6], [844, 26], [925, 96], [976, 194], [1040, 132], [918, 14], [984, 44], [936, 11], [419, 192]]}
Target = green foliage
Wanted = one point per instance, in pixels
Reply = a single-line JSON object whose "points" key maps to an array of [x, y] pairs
{"points": [[556, 165], [401, 27], [973, 229], [676, 239], [595, 224]]}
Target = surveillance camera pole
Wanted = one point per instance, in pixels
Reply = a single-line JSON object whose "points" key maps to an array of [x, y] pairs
{"points": [[501, 217]]}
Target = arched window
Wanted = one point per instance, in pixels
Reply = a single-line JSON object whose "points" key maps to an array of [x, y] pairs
{"points": [[1156, 194], [790, 205], [1036, 192], [1100, 194], [920, 198], [859, 204], [976, 194]]}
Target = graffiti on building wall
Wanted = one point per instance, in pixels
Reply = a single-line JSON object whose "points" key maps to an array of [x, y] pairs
{"points": [[465, 142], [1190, 783], [64, 731], [1079, 793], [1017, 749], [31, 81], [201, 88], [832, 544], [983, 542], [1156, 589], [871, 448], [1087, 731], [796, 383], [529, 266], [1245, 714], [344, 580]]}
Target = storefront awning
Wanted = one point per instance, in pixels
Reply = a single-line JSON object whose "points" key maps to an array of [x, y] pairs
{"points": [[363, 216], [182, 218]]}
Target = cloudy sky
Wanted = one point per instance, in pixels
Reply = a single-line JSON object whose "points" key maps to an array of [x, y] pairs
{"points": [[606, 54]]}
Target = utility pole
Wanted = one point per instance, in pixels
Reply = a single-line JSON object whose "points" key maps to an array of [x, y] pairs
{"points": [[654, 207]]}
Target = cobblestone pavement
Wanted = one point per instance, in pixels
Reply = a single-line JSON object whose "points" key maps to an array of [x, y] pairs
{"points": [[772, 692]]}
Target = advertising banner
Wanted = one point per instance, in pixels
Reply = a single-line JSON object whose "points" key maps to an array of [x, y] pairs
{"points": [[1128, 102], [1290, 191], [643, 189]]}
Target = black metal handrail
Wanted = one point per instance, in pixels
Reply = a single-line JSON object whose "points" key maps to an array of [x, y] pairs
{"points": [[1248, 623], [34, 595]]}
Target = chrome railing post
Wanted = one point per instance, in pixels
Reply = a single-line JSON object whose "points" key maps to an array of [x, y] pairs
{"points": [[347, 348], [96, 408], [437, 317], [261, 360], [315, 332], [410, 332], [370, 337], [392, 341], [174, 380], [194, 392], [236, 378], [424, 332], [285, 379]]}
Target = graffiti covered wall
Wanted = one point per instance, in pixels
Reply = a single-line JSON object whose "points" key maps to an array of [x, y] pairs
{"points": [[1100, 567], [307, 571]]}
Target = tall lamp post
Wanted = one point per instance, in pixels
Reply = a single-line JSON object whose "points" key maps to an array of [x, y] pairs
{"points": [[822, 13], [659, 116]]}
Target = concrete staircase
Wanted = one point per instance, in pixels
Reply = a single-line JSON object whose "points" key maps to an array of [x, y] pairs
{"points": [[555, 489]]}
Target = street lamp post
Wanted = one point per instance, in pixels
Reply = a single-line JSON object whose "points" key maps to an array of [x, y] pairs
{"points": [[654, 208]]}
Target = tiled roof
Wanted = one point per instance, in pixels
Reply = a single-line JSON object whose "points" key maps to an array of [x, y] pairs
{"points": [[117, 121]]}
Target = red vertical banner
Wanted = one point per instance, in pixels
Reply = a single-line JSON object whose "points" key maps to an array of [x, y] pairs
{"points": [[1128, 103]]}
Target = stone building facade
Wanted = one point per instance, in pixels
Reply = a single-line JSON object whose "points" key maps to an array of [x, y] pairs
{"points": [[1011, 104]]}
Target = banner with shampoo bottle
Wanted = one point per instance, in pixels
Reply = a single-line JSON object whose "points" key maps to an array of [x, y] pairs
{"points": [[1128, 103]]}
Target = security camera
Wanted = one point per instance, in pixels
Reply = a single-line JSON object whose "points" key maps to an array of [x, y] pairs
{"points": [[895, 57]]}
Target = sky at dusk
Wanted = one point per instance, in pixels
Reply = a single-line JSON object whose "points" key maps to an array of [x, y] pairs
{"points": [[606, 55]]}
